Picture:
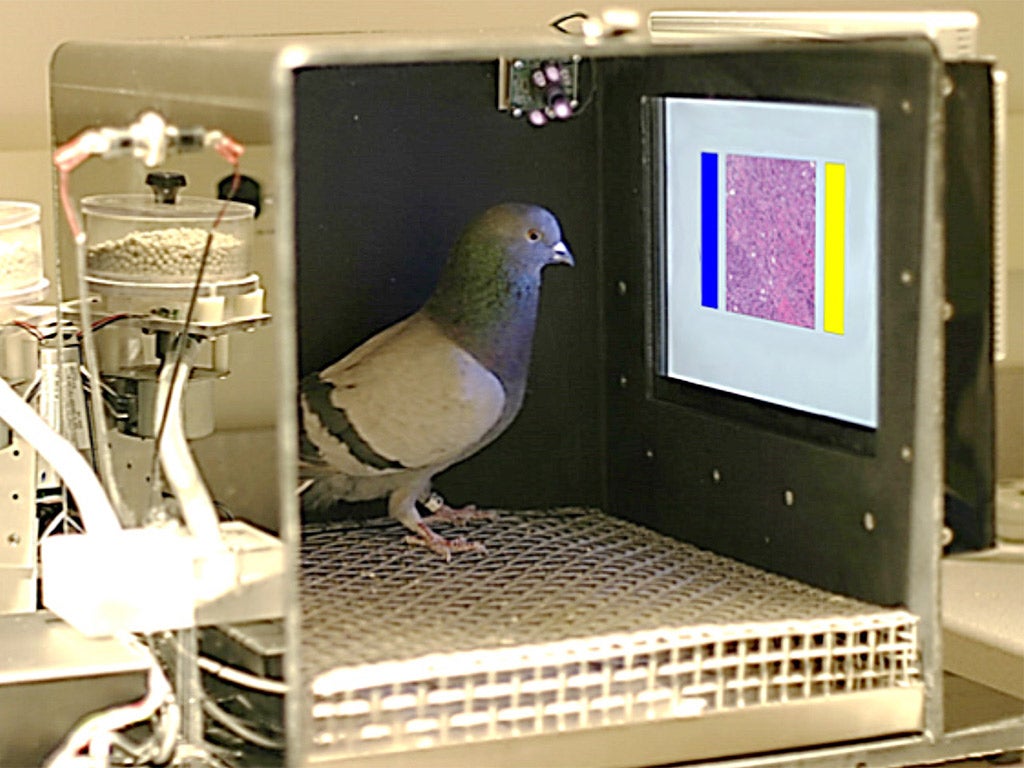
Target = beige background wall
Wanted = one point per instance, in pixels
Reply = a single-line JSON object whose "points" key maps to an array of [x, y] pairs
{"points": [[31, 29]]}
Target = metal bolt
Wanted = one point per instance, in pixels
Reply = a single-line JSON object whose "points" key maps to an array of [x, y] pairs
{"points": [[948, 86], [622, 287], [649, 453], [906, 106], [518, 64], [906, 453], [716, 476], [868, 522], [947, 311], [623, 381], [906, 277], [789, 497]]}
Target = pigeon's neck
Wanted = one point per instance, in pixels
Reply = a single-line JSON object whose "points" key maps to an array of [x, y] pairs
{"points": [[492, 314]]}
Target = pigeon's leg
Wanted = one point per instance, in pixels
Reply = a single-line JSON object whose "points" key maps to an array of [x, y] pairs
{"points": [[440, 512], [402, 507]]}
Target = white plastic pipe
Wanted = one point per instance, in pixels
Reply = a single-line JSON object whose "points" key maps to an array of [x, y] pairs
{"points": [[176, 458], [96, 731], [94, 506]]}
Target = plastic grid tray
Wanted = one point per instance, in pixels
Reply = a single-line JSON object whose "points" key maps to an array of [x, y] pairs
{"points": [[572, 619]]}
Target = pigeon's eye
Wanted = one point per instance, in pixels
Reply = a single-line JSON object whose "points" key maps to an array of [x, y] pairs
{"points": [[533, 234]]}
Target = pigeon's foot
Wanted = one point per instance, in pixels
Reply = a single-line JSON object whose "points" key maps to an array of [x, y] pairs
{"points": [[441, 546], [440, 512]]}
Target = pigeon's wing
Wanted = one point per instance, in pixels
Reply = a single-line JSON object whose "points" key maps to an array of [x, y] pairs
{"points": [[409, 398]]}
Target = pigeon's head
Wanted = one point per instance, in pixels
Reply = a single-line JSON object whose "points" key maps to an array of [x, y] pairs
{"points": [[527, 236], [488, 293]]}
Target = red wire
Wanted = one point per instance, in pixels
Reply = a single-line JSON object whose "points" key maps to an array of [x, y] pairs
{"points": [[28, 327], [69, 209]]}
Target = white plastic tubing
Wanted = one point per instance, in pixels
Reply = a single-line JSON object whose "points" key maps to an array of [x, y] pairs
{"points": [[179, 468], [96, 732], [98, 515]]}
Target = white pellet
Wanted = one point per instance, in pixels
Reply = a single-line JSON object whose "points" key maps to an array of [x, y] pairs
{"points": [[172, 253], [20, 264]]}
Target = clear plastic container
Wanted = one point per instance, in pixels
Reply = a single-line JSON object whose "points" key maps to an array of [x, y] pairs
{"points": [[21, 248], [133, 238]]}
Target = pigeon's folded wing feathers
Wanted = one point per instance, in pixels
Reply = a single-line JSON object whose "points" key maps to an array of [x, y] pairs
{"points": [[418, 401]]}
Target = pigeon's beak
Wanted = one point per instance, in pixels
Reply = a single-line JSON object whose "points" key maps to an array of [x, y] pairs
{"points": [[560, 254]]}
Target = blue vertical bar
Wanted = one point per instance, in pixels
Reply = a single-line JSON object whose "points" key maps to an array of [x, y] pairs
{"points": [[709, 229]]}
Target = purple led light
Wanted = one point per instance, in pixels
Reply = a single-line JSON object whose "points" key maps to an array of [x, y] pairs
{"points": [[561, 107], [537, 117]]}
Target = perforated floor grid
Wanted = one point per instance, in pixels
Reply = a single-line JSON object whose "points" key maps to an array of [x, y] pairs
{"points": [[572, 618]]}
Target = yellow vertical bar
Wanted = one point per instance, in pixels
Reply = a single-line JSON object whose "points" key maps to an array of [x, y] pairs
{"points": [[835, 248]]}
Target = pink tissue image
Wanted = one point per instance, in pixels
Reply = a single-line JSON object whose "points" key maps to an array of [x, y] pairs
{"points": [[770, 229]]}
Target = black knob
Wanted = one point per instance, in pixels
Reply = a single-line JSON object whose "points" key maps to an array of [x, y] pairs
{"points": [[165, 185]]}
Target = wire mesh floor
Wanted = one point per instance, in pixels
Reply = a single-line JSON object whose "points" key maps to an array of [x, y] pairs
{"points": [[571, 619]]}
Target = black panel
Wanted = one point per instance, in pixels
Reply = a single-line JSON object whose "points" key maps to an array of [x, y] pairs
{"points": [[970, 438], [391, 162], [722, 481]]}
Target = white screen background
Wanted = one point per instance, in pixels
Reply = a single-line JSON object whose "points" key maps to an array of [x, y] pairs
{"points": [[810, 370]]}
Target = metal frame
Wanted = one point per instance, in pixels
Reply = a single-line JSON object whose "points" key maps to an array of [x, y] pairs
{"points": [[250, 84]]}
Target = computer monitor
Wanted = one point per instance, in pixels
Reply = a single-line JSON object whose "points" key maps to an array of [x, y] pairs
{"points": [[770, 257]]}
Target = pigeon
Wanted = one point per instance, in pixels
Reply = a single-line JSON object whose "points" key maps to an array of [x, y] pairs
{"points": [[437, 386]]}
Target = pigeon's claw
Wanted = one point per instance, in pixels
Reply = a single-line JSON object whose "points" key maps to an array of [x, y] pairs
{"points": [[458, 516], [440, 545], [440, 512]]}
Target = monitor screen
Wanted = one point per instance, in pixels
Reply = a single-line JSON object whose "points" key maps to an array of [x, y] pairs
{"points": [[770, 253]]}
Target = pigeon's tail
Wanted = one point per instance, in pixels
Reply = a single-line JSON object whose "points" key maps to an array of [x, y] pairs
{"points": [[317, 485]]}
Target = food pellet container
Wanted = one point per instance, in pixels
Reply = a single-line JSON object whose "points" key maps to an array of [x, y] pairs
{"points": [[21, 259], [134, 238]]}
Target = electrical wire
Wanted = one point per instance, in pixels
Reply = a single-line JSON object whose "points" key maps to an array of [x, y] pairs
{"points": [[29, 328], [242, 678], [239, 728], [103, 322], [183, 334], [95, 732]]}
